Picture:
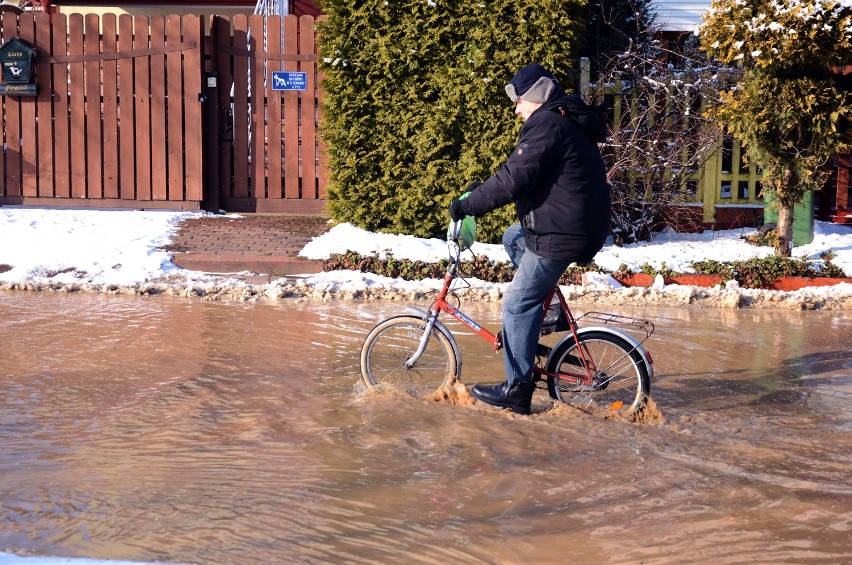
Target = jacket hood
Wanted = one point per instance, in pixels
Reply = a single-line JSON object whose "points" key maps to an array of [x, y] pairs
{"points": [[590, 118]]}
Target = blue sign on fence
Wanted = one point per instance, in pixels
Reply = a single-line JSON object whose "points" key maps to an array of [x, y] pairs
{"points": [[285, 80]]}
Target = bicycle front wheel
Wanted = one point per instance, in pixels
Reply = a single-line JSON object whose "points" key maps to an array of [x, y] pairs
{"points": [[620, 379], [393, 342]]}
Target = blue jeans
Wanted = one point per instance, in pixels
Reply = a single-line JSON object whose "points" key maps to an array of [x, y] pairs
{"points": [[522, 311], [514, 244]]}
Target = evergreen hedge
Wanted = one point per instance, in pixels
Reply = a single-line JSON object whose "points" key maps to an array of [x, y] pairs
{"points": [[414, 107]]}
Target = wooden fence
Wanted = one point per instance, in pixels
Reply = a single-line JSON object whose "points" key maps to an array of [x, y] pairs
{"points": [[117, 118], [163, 112]]}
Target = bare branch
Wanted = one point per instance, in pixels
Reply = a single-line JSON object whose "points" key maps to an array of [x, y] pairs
{"points": [[659, 138]]}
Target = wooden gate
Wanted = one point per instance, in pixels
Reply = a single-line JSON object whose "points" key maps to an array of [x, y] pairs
{"points": [[269, 155], [117, 120], [162, 112]]}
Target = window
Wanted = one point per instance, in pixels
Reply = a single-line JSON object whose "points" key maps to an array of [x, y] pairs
{"points": [[727, 154]]}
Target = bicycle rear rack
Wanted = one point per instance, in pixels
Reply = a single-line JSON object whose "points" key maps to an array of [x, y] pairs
{"points": [[644, 326]]}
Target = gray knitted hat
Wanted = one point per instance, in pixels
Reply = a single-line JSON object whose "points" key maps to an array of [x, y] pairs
{"points": [[533, 83]]}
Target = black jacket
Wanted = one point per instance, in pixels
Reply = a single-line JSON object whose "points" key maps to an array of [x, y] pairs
{"points": [[557, 180]]}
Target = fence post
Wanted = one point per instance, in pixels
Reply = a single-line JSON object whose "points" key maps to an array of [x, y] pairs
{"points": [[210, 140], [585, 78], [209, 99], [710, 183]]}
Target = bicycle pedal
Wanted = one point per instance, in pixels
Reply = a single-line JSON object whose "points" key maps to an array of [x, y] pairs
{"points": [[543, 350]]}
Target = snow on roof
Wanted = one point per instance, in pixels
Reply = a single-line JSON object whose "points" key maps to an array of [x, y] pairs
{"points": [[680, 16]]}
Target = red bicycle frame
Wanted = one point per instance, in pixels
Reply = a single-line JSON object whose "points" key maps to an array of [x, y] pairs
{"points": [[496, 340]]}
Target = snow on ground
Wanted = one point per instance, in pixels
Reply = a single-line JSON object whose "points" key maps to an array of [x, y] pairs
{"points": [[670, 249], [118, 251]]}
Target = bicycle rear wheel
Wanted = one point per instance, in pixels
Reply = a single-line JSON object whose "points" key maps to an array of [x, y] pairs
{"points": [[620, 379], [392, 342]]}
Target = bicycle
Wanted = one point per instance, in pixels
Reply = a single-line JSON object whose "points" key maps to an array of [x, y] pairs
{"points": [[594, 365]]}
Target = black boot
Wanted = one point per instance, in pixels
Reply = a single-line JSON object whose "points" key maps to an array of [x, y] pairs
{"points": [[516, 398]]}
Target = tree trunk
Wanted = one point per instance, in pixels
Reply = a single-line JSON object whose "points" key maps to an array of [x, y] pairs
{"points": [[784, 230]]}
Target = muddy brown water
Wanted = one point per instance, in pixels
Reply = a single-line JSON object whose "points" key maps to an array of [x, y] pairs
{"points": [[175, 430]]}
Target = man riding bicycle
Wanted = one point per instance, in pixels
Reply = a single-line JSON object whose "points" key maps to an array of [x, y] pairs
{"points": [[557, 179]]}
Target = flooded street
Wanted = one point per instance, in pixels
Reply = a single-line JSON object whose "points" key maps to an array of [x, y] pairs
{"points": [[179, 430]]}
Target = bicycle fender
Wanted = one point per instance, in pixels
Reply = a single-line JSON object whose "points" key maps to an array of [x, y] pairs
{"points": [[424, 315], [619, 333]]}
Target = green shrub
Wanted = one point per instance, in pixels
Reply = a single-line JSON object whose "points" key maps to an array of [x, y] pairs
{"points": [[662, 270], [414, 107], [751, 273], [760, 272], [479, 267]]}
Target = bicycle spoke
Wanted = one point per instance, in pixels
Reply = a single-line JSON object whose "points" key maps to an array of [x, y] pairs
{"points": [[617, 374], [392, 343]]}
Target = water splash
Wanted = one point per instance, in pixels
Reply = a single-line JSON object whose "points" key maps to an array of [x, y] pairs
{"points": [[453, 393]]}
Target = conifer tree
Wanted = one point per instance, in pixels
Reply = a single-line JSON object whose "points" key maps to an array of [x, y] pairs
{"points": [[792, 113], [414, 106]]}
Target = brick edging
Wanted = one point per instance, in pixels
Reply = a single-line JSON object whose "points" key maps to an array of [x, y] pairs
{"points": [[235, 263], [784, 283]]}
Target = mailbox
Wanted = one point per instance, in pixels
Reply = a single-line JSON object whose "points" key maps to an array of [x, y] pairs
{"points": [[17, 60]]}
